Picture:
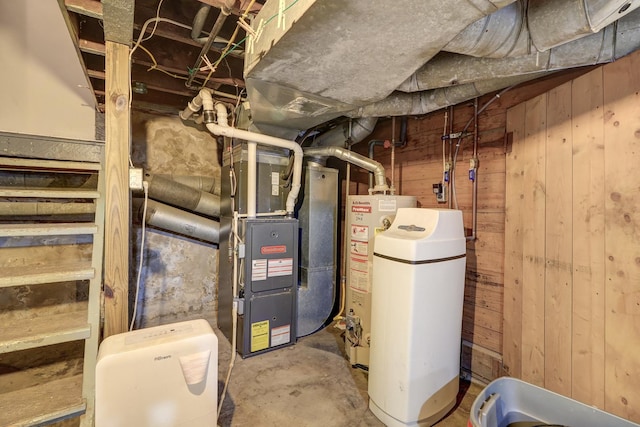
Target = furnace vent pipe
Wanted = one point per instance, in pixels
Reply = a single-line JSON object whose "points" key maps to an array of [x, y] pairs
{"points": [[172, 219], [342, 135], [222, 129], [401, 104], [183, 196], [198, 22], [355, 159], [448, 69]]}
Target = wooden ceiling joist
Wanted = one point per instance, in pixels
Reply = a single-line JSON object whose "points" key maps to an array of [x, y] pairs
{"points": [[92, 8]]}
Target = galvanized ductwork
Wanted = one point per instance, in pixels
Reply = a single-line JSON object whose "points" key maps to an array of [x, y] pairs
{"points": [[402, 104], [348, 133], [172, 219], [185, 197], [525, 27], [449, 69], [207, 184], [331, 59]]}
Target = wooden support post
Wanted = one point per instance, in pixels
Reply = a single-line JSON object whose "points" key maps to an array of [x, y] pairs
{"points": [[116, 247]]}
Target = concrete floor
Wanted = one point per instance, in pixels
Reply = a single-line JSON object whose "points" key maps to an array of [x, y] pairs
{"points": [[309, 384]]}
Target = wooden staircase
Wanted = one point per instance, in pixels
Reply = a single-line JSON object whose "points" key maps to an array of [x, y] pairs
{"points": [[64, 321]]}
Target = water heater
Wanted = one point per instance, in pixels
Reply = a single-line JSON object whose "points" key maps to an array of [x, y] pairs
{"points": [[164, 376], [366, 217]]}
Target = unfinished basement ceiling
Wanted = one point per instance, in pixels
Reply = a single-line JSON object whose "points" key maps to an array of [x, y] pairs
{"points": [[318, 60]]}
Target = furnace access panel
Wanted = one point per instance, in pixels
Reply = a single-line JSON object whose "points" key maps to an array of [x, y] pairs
{"points": [[268, 302]]}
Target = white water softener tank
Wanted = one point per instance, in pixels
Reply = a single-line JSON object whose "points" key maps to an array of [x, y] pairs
{"points": [[418, 291], [158, 377]]}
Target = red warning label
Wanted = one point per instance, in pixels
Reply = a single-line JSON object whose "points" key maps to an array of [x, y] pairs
{"points": [[361, 209], [276, 249]]}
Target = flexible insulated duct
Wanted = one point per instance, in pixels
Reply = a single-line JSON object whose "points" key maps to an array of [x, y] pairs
{"points": [[449, 69], [172, 219], [402, 104], [174, 193], [355, 159], [525, 27], [347, 133]]}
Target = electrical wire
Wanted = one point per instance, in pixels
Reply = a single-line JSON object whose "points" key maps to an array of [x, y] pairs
{"points": [[145, 186], [229, 48]]}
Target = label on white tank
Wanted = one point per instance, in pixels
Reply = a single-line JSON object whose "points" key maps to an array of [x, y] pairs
{"points": [[359, 248], [359, 273], [360, 232], [387, 205]]}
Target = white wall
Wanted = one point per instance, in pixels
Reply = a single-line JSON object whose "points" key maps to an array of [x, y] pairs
{"points": [[43, 89]]}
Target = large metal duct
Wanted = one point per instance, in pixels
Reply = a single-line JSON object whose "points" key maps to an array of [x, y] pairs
{"points": [[172, 219], [207, 184], [525, 27], [448, 69], [185, 197], [402, 104], [331, 58], [348, 133]]}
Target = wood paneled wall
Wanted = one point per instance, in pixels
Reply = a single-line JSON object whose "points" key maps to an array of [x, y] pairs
{"points": [[419, 165], [572, 239]]}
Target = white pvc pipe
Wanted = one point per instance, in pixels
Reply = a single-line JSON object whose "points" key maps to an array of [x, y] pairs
{"points": [[223, 129], [252, 177]]}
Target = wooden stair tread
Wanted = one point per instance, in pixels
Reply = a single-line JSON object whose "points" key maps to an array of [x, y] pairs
{"points": [[38, 164], [43, 403], [49, 193], [48, 229], [35, 275], [41, 331]]}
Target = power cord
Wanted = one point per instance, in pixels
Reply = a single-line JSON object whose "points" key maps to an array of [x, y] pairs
{"points": [[145, 187]]}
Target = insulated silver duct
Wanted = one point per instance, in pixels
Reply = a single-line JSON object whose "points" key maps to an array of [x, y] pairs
{"points": [[448, 69], [296, 76], [198, 23], [45, 208], [353, 133], [172, 219], [180, 195], [197, 182], [402, 104], [355, 159], [524, 27]]}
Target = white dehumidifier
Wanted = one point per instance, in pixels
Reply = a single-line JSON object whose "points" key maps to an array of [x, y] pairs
{"points": [[165, 376]]}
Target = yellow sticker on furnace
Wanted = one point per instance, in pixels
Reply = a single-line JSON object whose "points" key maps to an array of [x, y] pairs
{"points": [[259, 335]]}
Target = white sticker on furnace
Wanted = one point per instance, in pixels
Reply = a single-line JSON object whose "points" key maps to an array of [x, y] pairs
{"points": [[275, 183], [280, 267], [280, 335], [360, 232], [258, 269]]}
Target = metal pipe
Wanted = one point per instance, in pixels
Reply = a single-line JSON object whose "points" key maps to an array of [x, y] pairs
{"points": [[225, 11], [451, 117], [179, 221], [197, 182], [174, 193], [474, 188], [393, 154], [356, 159], [199, 20], [352, 132], [372, 144]]}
